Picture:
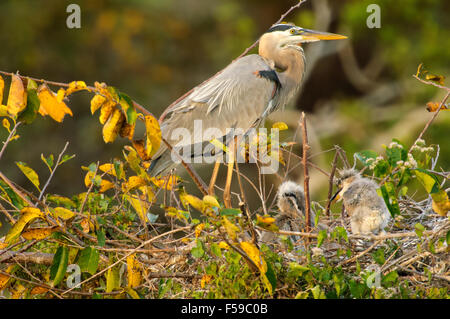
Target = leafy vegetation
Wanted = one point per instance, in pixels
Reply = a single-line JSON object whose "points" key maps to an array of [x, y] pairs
{"points": [[130, 235]]}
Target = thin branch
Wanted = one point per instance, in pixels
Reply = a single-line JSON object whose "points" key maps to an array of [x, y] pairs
{"points": [[306, 148], [331, 183], [53, 171], [8, 139]]}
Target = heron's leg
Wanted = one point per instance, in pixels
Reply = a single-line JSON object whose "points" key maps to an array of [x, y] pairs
{"points": [[212, 183], [230, 165]]}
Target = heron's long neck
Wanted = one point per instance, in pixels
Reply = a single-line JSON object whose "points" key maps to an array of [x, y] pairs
{"points": [[290, 66]]}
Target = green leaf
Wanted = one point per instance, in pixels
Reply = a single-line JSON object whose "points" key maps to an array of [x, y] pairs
{"points": [[390, 278], [447, 238], [88, 260], [419, 229], [33, 104], [381, 169], [198, 251], [364, 156], [101, 238], [271, 276], [59, 265], [321, 237], [378, 256], [390, 198], [13, 197], [429, 181], [66, 158], [215, 249], [29, 173], [48, 161], [112, 279], [127, 106], [229, 212]]}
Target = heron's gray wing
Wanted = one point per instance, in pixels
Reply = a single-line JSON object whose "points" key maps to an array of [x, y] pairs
{"points": [[238, 97]]}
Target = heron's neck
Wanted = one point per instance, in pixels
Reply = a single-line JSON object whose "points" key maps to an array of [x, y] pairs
{"points": [[290, 61]]}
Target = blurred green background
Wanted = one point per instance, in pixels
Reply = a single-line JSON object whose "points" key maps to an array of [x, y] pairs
{"points": [[359, 93]]}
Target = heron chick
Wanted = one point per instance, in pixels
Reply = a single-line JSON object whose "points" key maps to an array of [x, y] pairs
{"points": [[367, 210], [291, 203]]}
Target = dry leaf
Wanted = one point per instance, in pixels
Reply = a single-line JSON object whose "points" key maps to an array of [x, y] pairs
{"points": [[50, 104], [17, 99]]}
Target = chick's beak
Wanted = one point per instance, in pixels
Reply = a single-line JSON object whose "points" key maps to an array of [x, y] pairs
{"points": [[312, 35], [336, 196]]}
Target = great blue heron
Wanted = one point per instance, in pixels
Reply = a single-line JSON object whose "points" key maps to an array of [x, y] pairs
{"points": [[242, 95], [367, 210]]}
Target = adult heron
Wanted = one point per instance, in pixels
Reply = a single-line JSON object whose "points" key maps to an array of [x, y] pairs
{"points": [[242, 95]]}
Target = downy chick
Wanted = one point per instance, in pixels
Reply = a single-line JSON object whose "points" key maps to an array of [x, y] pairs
{"points": [[368, 212], [291, 203]]}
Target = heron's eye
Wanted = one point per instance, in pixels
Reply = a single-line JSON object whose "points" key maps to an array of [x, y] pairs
{"points": [[292, 31]]}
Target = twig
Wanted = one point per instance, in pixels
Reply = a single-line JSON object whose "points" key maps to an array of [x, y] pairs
{"points": [[360, 254], [8, 139], [331, 183], [306, 147], [126, 255], [197, 180], [33, 257], [53, 171]]}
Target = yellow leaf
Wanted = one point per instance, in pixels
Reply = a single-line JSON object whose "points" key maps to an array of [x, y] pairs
{"points": [[255, 255], [224, 245], [195, 202], [29, 173], [198, 229], [230, 228], [3, 110], [434, 106], [133, 183], [153, 132], [266, 219], [140, 205], [166, 182], [18, 291], [39, 233], [108, 168], [105, 185], [86, 225], [4, 279], [112, 279], [17, 99], [63, 213], [2, 87], [112, 126], [435, 78], [134, 271], [6, 124], [28, 215], [38, 290], [107, 109], [127, 131], [96, 102], [205, 279], [139, 146], [50, 105], [60, 95], [440, 203], [210, 201], [133, 293], [88, 178], [76, 86], [280, 125]]}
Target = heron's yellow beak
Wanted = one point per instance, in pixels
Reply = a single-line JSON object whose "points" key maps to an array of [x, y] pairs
{"points": [[312, 35]]}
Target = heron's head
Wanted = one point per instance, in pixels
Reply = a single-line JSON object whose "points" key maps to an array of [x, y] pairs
{"points": [[289, 35], [347, 177]]}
